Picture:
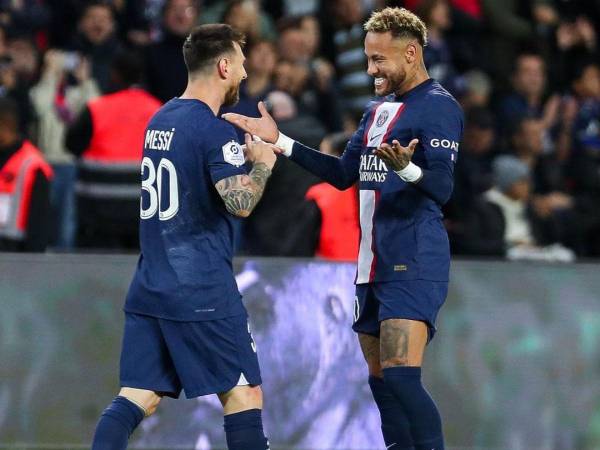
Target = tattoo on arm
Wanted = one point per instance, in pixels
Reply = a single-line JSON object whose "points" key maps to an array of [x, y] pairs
{"points": [[241, 193]]}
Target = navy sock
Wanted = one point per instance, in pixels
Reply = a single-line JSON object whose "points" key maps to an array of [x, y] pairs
{"points": [[394, 423], [244, 431], [116, 424], [423, 415]]}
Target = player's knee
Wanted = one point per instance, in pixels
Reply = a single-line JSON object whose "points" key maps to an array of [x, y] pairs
{"points": [[394, 361], [375, 369], [242, 398], [146, 400]]}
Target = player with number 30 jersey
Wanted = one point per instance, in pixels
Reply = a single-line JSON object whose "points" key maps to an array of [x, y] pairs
{"points": [[185, 325]]}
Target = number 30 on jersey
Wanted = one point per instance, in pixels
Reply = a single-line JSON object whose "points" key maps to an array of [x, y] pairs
{"points": [[154, 186]]}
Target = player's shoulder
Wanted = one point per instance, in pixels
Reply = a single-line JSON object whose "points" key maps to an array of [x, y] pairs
{"points": [[218, 130], [438, 99]]}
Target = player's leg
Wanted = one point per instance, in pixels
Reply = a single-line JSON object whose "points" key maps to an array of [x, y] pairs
{"points": [[219, 357], [407, 311], [122, 416], [402, 346], [394, 423], [242, 407], [146, 368]]}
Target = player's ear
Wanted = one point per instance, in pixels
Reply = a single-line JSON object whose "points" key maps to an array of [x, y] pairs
{"points": [[411, 52], [223, 68]]}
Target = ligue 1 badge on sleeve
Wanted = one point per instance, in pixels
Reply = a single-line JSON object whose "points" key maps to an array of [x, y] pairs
{"points": [[233, 154]]}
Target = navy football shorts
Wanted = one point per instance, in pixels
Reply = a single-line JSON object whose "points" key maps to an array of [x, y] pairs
{"points": [[409, 299], [203, 357]]}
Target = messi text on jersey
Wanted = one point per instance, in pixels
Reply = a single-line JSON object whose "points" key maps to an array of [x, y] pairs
{"points": [[159, 139]]}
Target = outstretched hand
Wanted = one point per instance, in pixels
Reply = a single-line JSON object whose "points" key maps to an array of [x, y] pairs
{"points": [[395, 156], [264, 127]]}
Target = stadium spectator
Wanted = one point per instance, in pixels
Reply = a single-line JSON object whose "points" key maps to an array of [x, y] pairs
{"points": [[473, 171], [507, 28], [305, 76], [96, 39], [247, 17], [165, 69], [475, 90], [24, 17], [585, 154], [503, 222], [108, 138], [338, 215], [254, 15], [343, 35], [24, 187], [16, 88], [60, 95], [438, 55], [529, 82], [576, 41]]}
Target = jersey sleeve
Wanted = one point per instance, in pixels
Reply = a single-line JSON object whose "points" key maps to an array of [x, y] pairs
{"points": [[440, 133], [224, 155], [341, 172]]}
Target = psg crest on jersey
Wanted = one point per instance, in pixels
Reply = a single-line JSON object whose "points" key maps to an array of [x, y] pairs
{"points": [[383, 117], [233, 154]]}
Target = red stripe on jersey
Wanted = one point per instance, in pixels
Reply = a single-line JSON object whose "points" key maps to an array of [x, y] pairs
{"points": [[368, 127], [393, 122], [374, 262]]}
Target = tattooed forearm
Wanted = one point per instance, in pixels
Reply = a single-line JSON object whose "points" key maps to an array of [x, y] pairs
{"points": [[241, 193]]}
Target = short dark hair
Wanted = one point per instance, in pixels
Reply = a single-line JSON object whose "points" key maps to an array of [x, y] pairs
{"points": [[207, 42], [128, 67], [96, 4]]}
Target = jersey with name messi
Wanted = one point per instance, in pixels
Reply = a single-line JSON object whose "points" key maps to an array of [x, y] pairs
{"points": [[186, 235], [402, 232]]}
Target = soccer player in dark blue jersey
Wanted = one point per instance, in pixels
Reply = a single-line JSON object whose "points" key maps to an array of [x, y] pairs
{"points": [[403, 157], [185, 324]]}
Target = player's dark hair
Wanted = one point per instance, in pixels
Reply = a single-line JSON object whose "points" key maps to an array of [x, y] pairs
{"points": [[206, 43], [9, 113]]}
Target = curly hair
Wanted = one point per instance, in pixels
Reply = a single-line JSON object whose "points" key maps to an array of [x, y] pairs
{"points": [[400, 22]]}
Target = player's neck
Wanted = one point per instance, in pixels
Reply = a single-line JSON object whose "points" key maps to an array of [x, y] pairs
{"points": [[206, 93], [412, 82]]}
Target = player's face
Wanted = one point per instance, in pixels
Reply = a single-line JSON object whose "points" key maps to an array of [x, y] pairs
{"points": [[238, 73], [387, 61]]}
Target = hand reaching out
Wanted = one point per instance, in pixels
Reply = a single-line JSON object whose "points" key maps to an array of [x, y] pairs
{"points": [[395, 156], [264, 127]]}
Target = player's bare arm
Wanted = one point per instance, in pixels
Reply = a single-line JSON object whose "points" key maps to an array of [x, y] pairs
{"points": [[241, 193]]}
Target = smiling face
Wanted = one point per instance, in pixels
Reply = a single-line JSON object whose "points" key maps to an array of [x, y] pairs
{"points": [[391, 61]]}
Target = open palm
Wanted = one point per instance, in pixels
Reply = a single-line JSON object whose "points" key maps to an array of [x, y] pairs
{"points": [[264, 126]]}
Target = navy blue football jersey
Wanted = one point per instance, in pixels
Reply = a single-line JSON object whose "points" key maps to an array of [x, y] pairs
{"points": [[186, 234], [402, 231]]}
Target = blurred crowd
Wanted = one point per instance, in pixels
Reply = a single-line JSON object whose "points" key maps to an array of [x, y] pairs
{"points": [[78, 81]]}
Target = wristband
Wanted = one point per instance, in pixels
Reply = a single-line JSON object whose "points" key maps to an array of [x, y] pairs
{"points": [[411, 173], [285, 143]]}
